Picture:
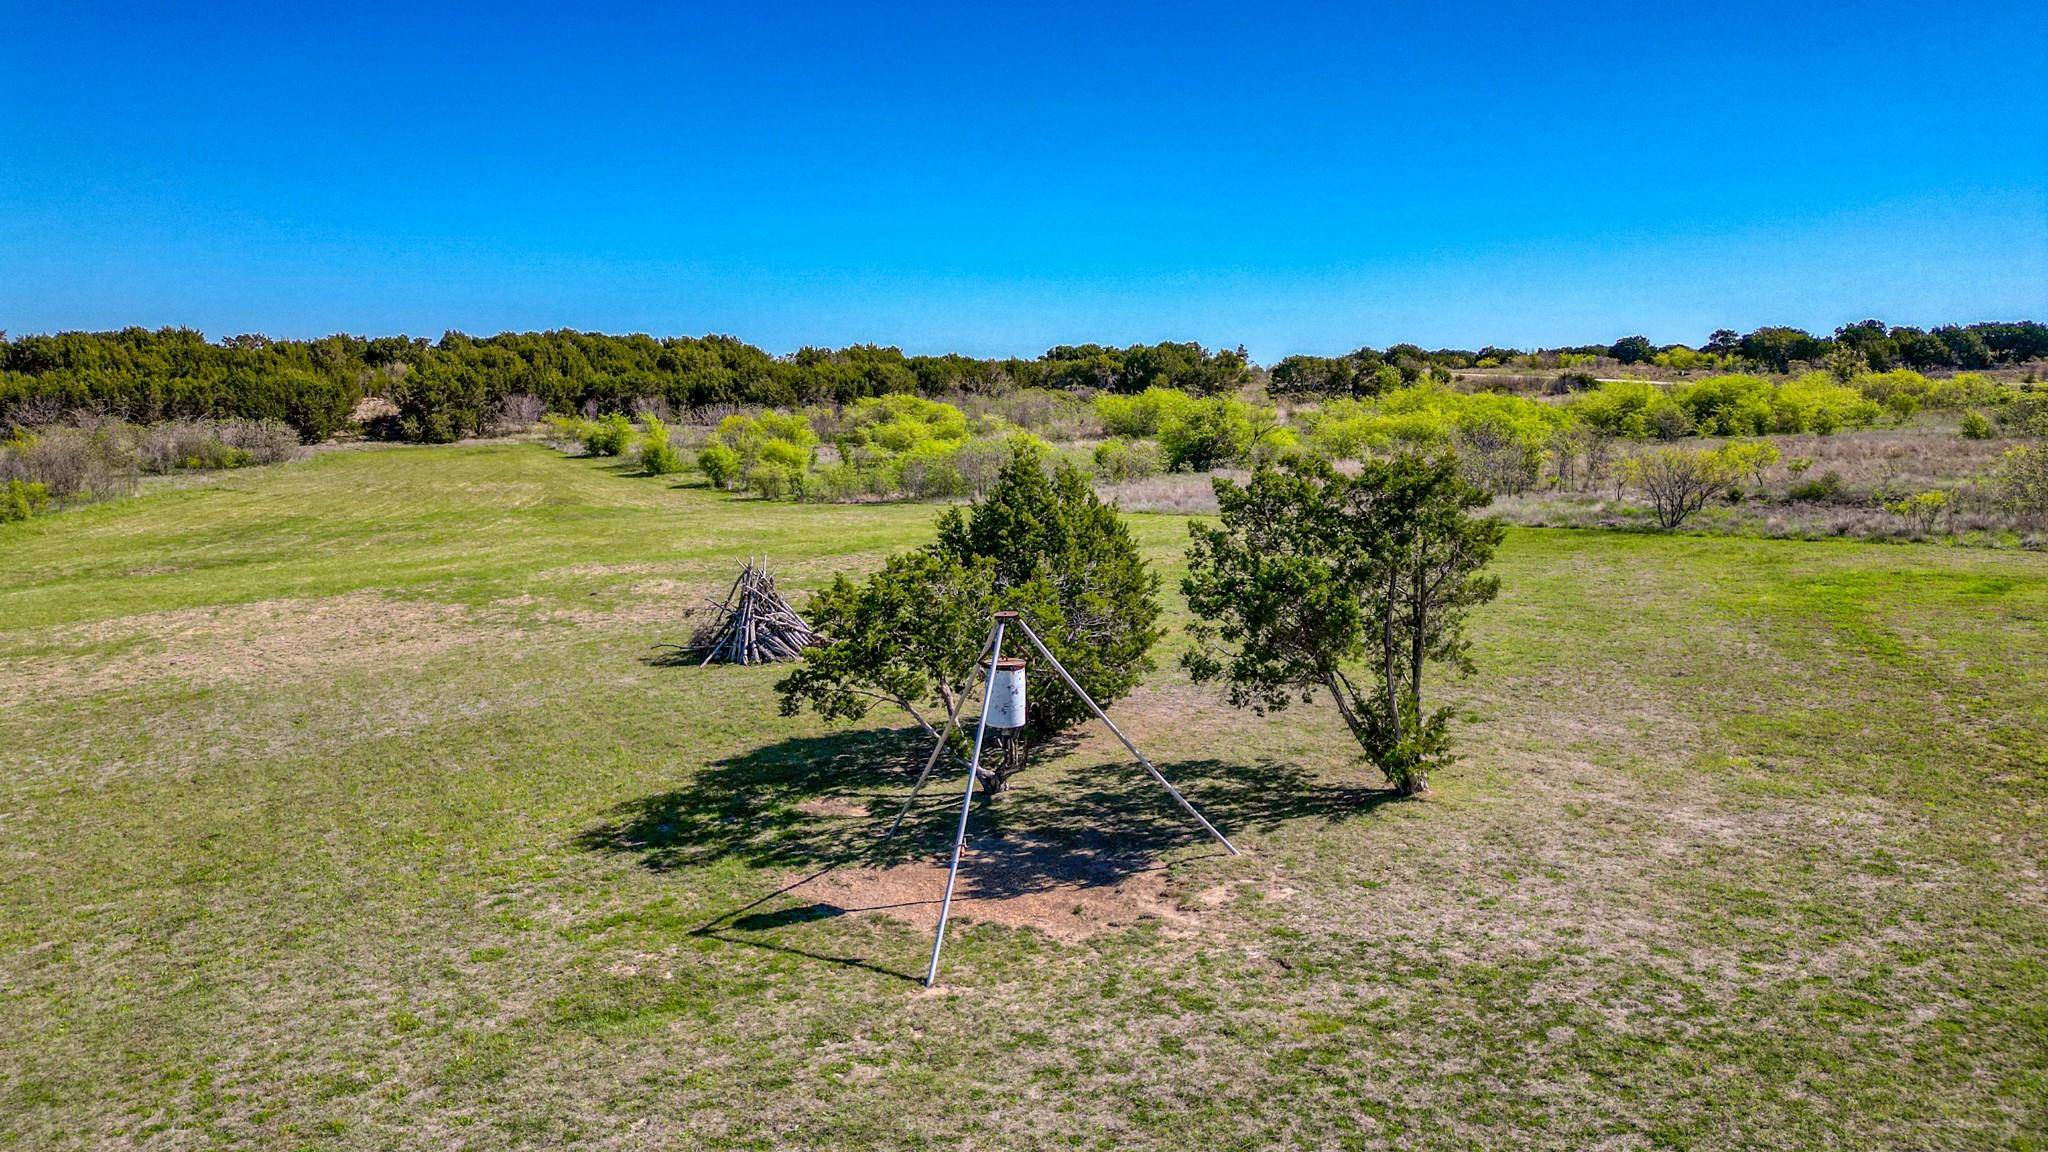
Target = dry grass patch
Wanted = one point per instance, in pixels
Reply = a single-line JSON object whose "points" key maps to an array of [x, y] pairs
{"points": [[266, 641]]}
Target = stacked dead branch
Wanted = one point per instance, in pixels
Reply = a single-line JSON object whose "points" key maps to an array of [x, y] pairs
{"points": [[753, 624]]}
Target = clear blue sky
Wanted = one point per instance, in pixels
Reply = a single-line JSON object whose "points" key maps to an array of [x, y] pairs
{"points": [[995, 179]]}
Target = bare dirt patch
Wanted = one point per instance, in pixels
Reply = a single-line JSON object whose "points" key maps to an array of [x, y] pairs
{"points": [[833, 806], [269, 640], [1067, 896]]}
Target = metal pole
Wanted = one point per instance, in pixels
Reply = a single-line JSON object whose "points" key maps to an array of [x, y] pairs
{"points": [[932, 761], [931, 974], [1118, 732]]}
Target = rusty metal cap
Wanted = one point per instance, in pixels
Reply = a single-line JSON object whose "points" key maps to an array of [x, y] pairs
{"points": [[1006, 664], [1006, 614]]}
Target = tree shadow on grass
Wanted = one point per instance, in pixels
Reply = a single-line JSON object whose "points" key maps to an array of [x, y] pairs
{"points": [[818, 804]]}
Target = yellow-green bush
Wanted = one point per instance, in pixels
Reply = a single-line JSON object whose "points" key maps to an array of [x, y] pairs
{"points": [[657, 456], [607, 437], [897, 423], [720, 464], [1426, 416], [1118, 460], [1904, 391], [21, 499], [1816, 403], [771, 453], [1143, 414], [1729, 405], [1636, 409], [1215, 431]]}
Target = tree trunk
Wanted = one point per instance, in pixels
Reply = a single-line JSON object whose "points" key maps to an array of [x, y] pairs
{"points": [[1389, 675], [1418, 626], [1002, 756]]}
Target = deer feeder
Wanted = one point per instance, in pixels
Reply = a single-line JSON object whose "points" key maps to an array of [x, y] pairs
{"points": [[1006, 695]]}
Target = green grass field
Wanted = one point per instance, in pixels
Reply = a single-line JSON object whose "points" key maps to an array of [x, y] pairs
{"points": [[342, 807]]}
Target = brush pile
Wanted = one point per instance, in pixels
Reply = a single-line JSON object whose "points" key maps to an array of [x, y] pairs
{"points": [[752, 625]]}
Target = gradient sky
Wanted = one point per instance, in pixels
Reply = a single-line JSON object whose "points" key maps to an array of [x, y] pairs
{"points": [[995, 179]]}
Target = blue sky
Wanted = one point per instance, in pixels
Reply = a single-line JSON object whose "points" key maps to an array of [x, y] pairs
{"points": [[995, 179]]}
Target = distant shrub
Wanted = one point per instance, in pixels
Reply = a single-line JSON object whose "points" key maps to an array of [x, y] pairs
{"points": [[1976, 426], [1751, 458], [1728, 405], [517, 412], [1274, 444], [1498, 454], [1734, 405], [929, 471], [2025, 415], [1680, 358], [1118, 461], [1815, 403], [896, 423], [21, 499], [1061, 415], [1636, 409], [174, 444], [1678, 482], [201, 445], [266, 441], [1204, 434], [720, 465], [1904, 391], [564, 433], [657, 456], [771, 453], [1920, 510], [73, 464], [2022, 484], [1141, 415], [607, 437], [980, 462], [778, 470], [1822, 489]]}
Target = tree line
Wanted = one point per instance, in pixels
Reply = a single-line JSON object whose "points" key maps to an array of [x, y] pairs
{"points": [[1866, 346], [460, 385], [455, 386]]}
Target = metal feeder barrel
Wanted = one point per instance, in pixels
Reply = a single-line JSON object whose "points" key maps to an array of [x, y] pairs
{"points": [[1006, 694]]}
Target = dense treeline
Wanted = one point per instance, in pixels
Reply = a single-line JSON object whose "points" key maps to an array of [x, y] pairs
{"points": [[462, 385], [1866, 346], [454, 386]]}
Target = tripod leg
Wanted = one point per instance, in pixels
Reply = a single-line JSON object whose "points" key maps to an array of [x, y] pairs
{"points": [[932, 761], [931, 974], [1118, 733]]}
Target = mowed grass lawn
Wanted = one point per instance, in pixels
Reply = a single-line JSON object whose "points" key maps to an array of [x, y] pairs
{"points": [[341, 806]]}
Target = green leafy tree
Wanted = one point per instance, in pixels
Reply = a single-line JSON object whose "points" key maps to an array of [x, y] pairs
{"points": [[1041, 544], [1777, 347], [1313, 579], [1632, 349]]}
